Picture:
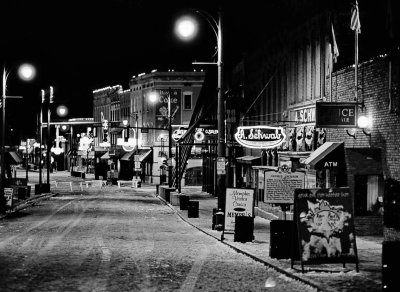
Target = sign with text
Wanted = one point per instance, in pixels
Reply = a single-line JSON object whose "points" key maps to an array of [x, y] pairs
{"points": [[239, 202], [325, 225], [162, 107], [280, 186], [336, 114], [221, 165], [262, 137]]}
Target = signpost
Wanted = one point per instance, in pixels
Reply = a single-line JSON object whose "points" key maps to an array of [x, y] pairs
{"points": [[336, 115], [325, 226]]}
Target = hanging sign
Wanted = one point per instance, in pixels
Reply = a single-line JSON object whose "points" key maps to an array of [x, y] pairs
{"points": [[260, 136], [336, 115]]}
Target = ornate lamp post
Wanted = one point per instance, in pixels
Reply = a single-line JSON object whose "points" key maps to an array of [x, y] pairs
{"points": [[26, 72], [186, 28]]}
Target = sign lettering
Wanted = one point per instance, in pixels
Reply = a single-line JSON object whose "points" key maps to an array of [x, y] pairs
{"points": [[260, 136]]}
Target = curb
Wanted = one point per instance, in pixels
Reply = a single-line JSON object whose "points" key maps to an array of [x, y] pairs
{"points": [[254, 257]]}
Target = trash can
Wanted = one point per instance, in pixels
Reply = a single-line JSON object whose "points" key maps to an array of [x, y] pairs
{"points": [[183, 202], [283, 239], [168, 192], [244, 229], [193, 209], [390, 265]]}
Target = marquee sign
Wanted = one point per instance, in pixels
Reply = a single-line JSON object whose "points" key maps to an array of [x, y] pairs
{"points": [[260, 136]]}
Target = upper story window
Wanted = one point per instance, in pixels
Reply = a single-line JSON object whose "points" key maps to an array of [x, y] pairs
{"points": [[187, 100]]}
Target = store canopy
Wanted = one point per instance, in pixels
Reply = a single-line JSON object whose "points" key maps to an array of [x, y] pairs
{"points": [[128, 156], [324, 152], [249, 160], [144, 154], [106, 155], [13, 157]]}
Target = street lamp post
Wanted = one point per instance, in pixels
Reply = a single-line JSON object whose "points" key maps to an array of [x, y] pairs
{"points": [[153, 98], [186, 29], [26, 72], [48, 156]]}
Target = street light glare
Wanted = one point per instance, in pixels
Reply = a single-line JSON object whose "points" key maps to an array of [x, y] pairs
{"points": [[153, 96], [26, 72], [62, 111], [186, 28], [363, 122]]}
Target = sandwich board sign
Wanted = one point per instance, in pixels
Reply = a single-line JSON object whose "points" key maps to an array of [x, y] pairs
{"points": [[239, 202], [325, 226]]}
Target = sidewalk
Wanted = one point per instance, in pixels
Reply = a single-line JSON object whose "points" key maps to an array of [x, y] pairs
{"points": [[327, 277]]}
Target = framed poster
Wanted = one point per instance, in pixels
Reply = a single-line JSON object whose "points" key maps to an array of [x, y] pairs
{"points": [[325, 224], [239, 202]]}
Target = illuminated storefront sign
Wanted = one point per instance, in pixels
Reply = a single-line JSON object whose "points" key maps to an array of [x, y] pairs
{"points": [[260, 136]]}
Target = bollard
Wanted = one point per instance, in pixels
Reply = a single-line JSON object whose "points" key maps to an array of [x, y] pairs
{"points": [[219, 220], [193, 209], [213, 218], [183, 202]]}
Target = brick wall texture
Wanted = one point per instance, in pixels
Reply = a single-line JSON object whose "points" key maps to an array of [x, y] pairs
{"points": [[373, 83]]}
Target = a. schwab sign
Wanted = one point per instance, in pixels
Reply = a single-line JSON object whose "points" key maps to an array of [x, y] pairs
{"points": [[260, 136]]}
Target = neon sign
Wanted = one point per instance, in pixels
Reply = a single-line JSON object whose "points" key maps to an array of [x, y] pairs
{"points": [[260, 136]]}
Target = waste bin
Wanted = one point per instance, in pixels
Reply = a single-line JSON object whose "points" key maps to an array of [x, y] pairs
{"points": [[244, 229], [283, 239], [193, 209], [168, 192], [183, 202], [390, 266]]}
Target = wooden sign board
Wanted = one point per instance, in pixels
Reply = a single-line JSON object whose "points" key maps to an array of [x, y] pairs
{"points": [[325, 225], [239, 202]]}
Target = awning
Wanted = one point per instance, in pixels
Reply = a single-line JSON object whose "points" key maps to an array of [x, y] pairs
{"points": [[105, 155], [144, 153], [85, 154], [13, 158], [128, 156], [249, 159], [116, 130], [323, 152]]}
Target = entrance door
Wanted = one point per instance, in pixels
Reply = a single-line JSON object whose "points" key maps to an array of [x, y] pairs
{"points": [[367, 189]]}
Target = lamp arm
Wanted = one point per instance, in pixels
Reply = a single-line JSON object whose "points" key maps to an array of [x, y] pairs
{"points": [[210, 19]]}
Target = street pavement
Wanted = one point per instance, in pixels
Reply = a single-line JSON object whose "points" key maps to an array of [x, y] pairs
{"points": [[332, 277]]}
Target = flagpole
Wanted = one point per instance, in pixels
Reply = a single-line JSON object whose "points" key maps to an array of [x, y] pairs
{"points": [[356, 64]]}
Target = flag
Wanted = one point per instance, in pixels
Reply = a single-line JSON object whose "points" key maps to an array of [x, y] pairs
{"points": [[355, 18], [334, 47]]}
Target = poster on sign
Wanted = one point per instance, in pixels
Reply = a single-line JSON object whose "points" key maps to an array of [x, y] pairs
{"points": [[325, 224], [239, 202]]}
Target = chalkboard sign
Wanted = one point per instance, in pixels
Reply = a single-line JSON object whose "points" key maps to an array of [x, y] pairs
{"points": [[325, 224]]}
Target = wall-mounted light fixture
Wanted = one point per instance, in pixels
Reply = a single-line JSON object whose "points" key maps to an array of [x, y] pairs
{"points": [[364, 122]]}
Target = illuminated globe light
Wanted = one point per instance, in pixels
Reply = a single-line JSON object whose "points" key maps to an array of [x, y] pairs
{"points": [[186, 28], [26, 72], [363, 122], [62, 110], [153, 96]]}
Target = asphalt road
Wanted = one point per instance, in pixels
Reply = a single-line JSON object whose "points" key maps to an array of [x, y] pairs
{"points": [[121, 240]]}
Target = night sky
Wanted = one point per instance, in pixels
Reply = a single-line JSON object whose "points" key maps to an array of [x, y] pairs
{"points": [[78, 46]]}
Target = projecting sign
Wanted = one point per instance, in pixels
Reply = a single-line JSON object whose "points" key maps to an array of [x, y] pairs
{"points": [[336, 115], [260, 136]]}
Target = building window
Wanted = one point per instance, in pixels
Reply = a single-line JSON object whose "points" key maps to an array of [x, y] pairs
{"points": [[187, 100]]}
